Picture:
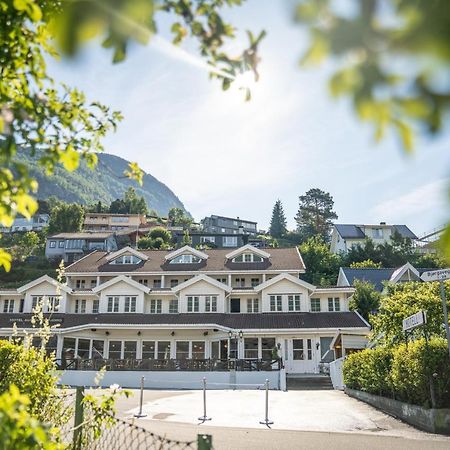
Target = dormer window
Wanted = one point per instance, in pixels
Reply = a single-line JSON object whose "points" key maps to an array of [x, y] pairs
{"points": [[247, 257], [127, 259], [185, 259]]}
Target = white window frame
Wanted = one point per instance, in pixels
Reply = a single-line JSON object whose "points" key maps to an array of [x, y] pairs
{"points": [[155, 306], [315, 304], [193, 303], [276, 303], [210, 303], [113, 304], [252, 305], [95, 306], [294, 302], [172, 309], [80, 306], [334, 304], [8, 305], [130, 304]]}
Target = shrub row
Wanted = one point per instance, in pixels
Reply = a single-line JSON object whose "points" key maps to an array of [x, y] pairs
{"points": [[406, 372]]}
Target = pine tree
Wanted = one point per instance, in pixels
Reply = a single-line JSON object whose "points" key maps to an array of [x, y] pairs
{"points": [[278, 222], [315, 214]]}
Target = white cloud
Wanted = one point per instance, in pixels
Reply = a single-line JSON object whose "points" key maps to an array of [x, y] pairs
{"points": [[429, 197]]}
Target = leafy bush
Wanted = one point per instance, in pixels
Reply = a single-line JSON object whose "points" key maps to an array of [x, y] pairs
{"points": [[369, 371], [18, 429], [403, 372], [412, 367], [32, 371]]}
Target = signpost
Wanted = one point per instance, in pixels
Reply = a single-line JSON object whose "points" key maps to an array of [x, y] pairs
{"points": [[416, 320], [440, 275]]}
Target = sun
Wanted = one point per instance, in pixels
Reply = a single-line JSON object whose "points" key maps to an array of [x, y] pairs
{"points": [[245, 80]]}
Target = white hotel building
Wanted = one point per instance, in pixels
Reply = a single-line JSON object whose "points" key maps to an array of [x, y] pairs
{"points": [[190, 310]]}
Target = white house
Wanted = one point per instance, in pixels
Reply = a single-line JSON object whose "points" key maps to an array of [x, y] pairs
{"points": [[346, 236], [186, 309]]}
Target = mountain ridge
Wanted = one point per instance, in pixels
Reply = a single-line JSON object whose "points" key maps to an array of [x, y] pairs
{"points": [[105, 183]]}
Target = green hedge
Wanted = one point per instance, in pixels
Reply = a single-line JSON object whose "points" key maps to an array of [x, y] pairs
{"points": [[403, 372], [32, 372]]}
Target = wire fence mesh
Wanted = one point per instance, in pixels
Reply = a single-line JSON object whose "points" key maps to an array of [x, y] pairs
{"points": [[82, 429]]}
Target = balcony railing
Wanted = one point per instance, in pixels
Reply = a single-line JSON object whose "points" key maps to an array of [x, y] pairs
{"points": [[194, 365]]}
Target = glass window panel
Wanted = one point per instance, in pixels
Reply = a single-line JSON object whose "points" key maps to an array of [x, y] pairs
{"points": [[267, 346], [215, 350], [83, 348], [297, 347], [97, 349], [129, 349], [148, 349], [163, 350], [68, 351], [182, 349], [251, 348], [198, 350], [115, 348]]}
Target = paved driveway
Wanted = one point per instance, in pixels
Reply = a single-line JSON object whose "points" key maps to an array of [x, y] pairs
{"points": [[320, 414]]}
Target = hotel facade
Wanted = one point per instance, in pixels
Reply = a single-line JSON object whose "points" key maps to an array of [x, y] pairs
{"points": [[211, 310]]}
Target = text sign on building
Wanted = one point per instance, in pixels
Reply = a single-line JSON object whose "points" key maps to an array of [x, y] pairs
{"points": [[436, 275], [416, 320]]}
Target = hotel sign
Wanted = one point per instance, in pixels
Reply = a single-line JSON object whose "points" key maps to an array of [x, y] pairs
{"points": [[27, 320], [414, 321]]}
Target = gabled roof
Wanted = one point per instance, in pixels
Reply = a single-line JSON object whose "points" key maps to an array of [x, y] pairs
{"points": [[404, 231], [398, 273], [356, 231], [183, 250], [247, 248], [285, 276], [371, 275], [126, 250], [347, 231], [202, 277], [43, 279], [281, 259], [119, 279]]}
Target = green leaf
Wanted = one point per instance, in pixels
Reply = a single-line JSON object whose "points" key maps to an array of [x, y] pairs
{"points": [[406, 135]]}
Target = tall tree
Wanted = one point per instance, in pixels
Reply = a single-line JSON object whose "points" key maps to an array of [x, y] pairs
{"points": [[278, 222], [66, 217], [315, 214], [177, 217], [366, 299], [322, 266], [131, 203]]}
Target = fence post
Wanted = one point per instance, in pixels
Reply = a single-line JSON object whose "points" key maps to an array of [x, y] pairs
{"points": [[79, 412], [266, 421], [204, 417], [204, 442], [141, 399]]}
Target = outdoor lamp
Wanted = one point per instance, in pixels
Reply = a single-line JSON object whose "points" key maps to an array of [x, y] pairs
{"points": [[241, 334], [317, 346], [107, 333], [230, 334]]}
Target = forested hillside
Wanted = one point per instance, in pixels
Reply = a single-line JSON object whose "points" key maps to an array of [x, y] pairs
{"points": [[105, 183]]}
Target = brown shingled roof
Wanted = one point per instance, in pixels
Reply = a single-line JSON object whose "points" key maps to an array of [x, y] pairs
{"points": [[280, 259]]}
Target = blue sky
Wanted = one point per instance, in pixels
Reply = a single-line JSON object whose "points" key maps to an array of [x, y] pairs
{"points": [[223, 156]]}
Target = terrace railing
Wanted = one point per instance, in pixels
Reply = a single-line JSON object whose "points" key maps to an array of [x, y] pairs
{"points": [[194, 365]]}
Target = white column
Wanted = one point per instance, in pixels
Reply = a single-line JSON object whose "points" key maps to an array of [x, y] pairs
{"points": [[59, 346], [263, 277], [98, 280], [163, 281], [229, 280]]}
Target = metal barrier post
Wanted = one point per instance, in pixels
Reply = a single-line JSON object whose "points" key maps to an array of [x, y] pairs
{"points": [[79, 412], [141, 400], [204, 442], [205, 417], [266, 421]]}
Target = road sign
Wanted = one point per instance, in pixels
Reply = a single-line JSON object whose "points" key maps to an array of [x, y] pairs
{"points": [[436, 275], [414, 321]]}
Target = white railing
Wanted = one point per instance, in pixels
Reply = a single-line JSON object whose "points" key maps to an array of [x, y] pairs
{"points": [[336, 374]]}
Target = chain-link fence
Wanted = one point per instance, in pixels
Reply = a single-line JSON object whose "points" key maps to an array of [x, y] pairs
{"points": [[83, 429]]}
